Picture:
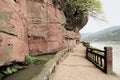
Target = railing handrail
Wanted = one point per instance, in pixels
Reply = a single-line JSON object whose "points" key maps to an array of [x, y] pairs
{"points": [[96, 52], [96, 49]]}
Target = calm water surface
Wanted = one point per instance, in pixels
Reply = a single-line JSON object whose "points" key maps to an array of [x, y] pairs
{"points": [[116, 53]]}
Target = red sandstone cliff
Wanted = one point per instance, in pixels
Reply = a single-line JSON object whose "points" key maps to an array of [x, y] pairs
{"points": [[13, 37], [35, 26], [44, 31]]}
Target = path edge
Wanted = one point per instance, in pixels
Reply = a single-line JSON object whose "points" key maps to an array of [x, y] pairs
{"points": [[51, 65]]}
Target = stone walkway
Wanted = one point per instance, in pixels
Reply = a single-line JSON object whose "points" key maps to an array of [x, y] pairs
{"points": [[76, 67]]}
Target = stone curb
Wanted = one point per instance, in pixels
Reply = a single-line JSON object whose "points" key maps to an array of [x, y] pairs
{"points": [[51, 64]]}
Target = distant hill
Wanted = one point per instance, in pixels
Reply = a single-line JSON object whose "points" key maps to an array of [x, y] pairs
{"points": [[109, 34]]}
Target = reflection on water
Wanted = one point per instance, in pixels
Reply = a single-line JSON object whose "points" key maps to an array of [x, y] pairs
{"points": [[116, 53]]}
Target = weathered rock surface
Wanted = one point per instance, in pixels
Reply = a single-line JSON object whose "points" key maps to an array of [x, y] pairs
{"points": [[36, 26], [13, 37], [46, 20]]}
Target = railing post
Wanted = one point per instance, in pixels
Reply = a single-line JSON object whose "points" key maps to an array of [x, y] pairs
{"points": [[108, 60], [87, 45]]}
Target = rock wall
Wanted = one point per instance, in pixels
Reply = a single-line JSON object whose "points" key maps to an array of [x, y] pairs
{"points": [[35, 26], [13, 37], [44, 32]]}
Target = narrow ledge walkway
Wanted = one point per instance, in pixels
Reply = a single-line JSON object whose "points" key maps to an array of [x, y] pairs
{"points": [[76, 67]]}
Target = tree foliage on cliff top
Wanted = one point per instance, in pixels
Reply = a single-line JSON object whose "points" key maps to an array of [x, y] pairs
{"points": [[77, 11], [94, 7]]}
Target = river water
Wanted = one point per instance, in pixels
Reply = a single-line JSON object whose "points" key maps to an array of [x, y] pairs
{"points": [[116, 53]]}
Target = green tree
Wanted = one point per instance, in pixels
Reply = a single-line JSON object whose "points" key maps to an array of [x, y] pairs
{"points": [[77, 11]]}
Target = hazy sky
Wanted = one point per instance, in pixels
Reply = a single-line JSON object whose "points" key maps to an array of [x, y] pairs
{"points": [[111, 9]]}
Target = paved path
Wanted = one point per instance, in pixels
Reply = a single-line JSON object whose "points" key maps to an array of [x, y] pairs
{"points": [[76, 67]]}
